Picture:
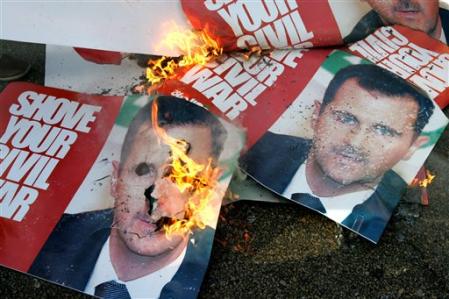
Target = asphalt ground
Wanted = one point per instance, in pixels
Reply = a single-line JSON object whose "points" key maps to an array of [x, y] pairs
{"points": [[283, 250]]}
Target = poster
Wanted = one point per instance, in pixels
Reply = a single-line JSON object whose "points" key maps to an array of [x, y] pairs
{"points": [[89, 192], [361, 139], [311, 23]]}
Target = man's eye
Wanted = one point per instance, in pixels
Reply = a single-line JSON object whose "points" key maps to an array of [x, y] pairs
{"points": [[144, 169], [345, 118], [385, 131]]}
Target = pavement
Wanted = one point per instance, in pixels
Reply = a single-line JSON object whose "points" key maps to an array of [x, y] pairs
{"points": [[283, 250]]}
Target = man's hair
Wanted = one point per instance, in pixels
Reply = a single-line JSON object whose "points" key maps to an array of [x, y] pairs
{"points": [[374, 78], [174, 112]]}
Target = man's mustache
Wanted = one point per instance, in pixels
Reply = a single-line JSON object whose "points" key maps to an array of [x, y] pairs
{"points": [[351, 152], [407, 5]]}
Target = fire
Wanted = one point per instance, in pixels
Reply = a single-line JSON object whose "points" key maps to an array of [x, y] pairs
{"points": [[197, 48], [424, 182], [196, 180]]}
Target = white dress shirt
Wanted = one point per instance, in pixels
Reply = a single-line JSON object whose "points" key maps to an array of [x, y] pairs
{"points": [[148, 286], [337, 207]]}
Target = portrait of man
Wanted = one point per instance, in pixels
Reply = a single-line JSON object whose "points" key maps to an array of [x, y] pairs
{"points": [[423, 15], [124, 252], [368, 121]]}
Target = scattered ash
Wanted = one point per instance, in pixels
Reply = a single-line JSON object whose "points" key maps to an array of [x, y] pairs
{"points": [[102, 178], [104, 160], [142, 60], [141, 87], [105, 91]]}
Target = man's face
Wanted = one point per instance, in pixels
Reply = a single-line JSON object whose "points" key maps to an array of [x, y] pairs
{"points": [[416, 14], [145, 167], [362, 134]]}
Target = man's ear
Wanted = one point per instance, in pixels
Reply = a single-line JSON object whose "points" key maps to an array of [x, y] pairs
{"points": [[115, 173], [316, 112], [419, 141]]}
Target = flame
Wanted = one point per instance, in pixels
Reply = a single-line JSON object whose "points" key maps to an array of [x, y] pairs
{"points": [[424, 182], [197, 48], [196, 180]]}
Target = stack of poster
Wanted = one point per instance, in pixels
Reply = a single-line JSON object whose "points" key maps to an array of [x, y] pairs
{"points": [[87, 184]]}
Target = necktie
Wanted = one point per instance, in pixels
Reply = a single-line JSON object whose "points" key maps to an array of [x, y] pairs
{"points": [[112, 290]]}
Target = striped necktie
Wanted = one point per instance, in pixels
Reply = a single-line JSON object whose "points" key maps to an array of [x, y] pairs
{"points": [[112, 290]]}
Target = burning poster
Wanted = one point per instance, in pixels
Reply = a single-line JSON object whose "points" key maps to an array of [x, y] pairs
{"points": [[361, 135], [305, 24], [111, 194]]}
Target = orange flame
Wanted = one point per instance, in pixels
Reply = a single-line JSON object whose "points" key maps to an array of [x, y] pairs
{"points": [[424, 182], [196, 180], [197, 48]]}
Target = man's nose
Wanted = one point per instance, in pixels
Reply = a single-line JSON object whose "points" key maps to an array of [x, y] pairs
{"points": [[358, 137]]}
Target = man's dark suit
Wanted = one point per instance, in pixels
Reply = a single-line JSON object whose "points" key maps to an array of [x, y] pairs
{"points": [[274, 160], [371, 21], [70, 253]]}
